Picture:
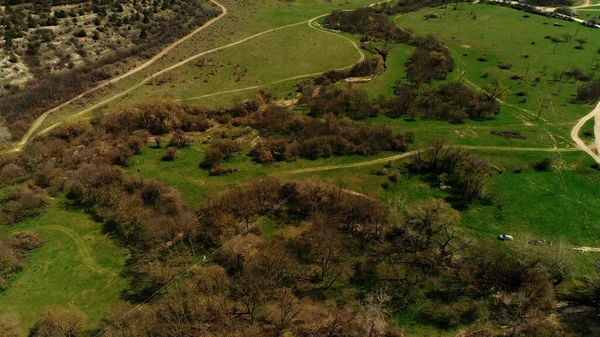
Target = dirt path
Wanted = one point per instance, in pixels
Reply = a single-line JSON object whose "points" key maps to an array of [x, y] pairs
{"points": [[297, 77], [587, 3], [177, 65], [577, 130], [82, 248], [412, 153], [310, 22], [587, 249], [38, 122]]}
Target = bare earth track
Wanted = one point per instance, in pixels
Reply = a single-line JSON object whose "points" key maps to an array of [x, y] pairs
{"points": [[38, 122]]}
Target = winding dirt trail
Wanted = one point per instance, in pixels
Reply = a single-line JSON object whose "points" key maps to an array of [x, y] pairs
{"points": [[587, 3], [38, 122], [82, 248], [297, 77], [577, 130], [174, 66], [414, 152], [310, 22]]}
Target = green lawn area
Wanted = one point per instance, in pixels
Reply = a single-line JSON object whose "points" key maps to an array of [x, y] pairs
{"points": [[78, 266], [266, 59], [503, 35], [563, 205]]}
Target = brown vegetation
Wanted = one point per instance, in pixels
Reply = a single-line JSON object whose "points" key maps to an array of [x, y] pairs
{"points": [[14, 250]]}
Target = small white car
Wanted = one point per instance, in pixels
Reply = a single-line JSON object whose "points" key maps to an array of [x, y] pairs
{"points": [[505, 237]]}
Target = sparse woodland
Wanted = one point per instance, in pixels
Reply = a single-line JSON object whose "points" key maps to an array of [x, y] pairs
{"points": [[342, 263], [70, 48], [355, 264]]}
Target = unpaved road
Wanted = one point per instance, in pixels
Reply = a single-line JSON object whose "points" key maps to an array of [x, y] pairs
{"points": [[38, 122], [587, 249], [577, 130], [412, 153], [158, 73], [587, 3], [298, 77]]}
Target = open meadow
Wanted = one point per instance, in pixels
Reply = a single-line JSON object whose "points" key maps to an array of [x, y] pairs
{"points": [[78, 267]]}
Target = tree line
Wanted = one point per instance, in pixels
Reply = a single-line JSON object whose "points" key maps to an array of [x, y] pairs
{"points": [[352, 265]]}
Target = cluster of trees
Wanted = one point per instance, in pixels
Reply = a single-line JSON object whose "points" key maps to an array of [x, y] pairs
{"points": [[589, 93], [362, 69], [20, 203], [453, 102], [368, 22], [352, 265], [431, 60], [406, 6], [220, 151], [14, 250], [467, 174], [311, 138]]}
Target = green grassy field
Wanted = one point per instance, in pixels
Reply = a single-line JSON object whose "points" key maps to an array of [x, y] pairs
{"points": [[589, 13], [77, 267], [254, 17], [503, 35]]}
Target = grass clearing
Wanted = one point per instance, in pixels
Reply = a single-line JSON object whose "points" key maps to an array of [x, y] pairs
{"points": [[78, 266], [503, 35]]}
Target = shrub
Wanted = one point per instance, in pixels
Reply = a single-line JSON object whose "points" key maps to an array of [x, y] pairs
{"points": [[221, 171], [395, 176], [21, 203], [213, 158], [81, 33], [381, 172], [589, 93], [171, 154], [179, 139], [545, 164], [505, 66]]}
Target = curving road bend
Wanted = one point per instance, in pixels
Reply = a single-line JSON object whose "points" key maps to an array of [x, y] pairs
{"points": [[577, 130]]}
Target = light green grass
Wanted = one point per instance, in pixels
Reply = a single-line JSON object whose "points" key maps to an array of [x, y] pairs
{"points": [[503, 35], [287, 53], [385, 83], [77, 266]]}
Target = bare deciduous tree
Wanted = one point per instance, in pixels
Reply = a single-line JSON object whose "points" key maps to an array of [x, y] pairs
{"points": [[59, 322]]}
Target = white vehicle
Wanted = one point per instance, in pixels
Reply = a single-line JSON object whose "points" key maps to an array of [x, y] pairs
{"points": [[505, 237]]}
